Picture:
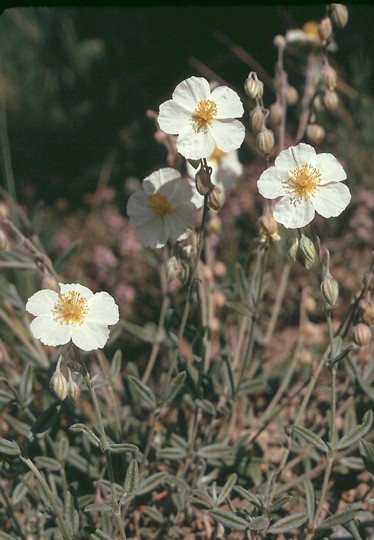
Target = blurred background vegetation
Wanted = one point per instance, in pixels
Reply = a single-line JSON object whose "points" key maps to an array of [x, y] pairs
{"points": [[76, 82]]}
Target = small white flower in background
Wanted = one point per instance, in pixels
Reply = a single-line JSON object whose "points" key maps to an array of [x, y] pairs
{"points": [[76, 314], [202, 119], [164, 209], [307, 183]]}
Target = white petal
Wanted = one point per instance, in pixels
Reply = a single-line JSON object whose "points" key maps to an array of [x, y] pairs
{"points": [[153, 234], [292, 216], [228, 103], [227, 134], [65, 288], [181, 223], [332, 199], [138, 209], [224, 178], [49, 331], [102, 309], [188, 93], [42, 302], [172, 118], [270, 182], [295, 156], [195, 145], [161, 177], [331, 169], [178, 191], [90, 336]]}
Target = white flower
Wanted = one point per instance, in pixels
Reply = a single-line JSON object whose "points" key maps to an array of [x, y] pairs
{"points": [[164, 209], [202, 119], [226, 168], [307, 183], [76, 314]]}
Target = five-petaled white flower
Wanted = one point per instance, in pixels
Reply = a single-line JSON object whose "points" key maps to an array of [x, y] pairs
{"points": [[202, 119], [76, 314], [164, 209], [307, 183]]}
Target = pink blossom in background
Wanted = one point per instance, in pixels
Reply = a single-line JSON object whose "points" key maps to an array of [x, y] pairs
{"points": [[62, 240], [128, 242], [104, 256], [124, 293], [114, 220]]}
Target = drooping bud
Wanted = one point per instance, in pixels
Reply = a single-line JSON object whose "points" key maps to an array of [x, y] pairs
{"points": [[175, 269], [330, 290], [361, 334], [214, 225], [339, 14], [292, 245], [49, 282], [330, 100], [306, 252], [58, 382], [265, 140], [315, 133], [253, 87], [202, 181], [194, 163], [74, 390], [216, 199], [257, 117], [368, 313], [275, 113], [325, 29], [329, 76], [267, 229], [292, 95]]}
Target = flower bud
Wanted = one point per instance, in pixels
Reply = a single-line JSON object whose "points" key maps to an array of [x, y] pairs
{"points": [[329, 77], [4, 211], [49, 282], [175, 269], [292, 245], [253, 87], [74, 390], [361, 334], [58, 383], [194, 163], [330, 100], [216, 199], [306, 252], [280, 41], [4, 244], [267, 229], [315, 133], [325, 29], [202, 180], [339, 14], [330, 290], [275, 113], [265, 140], [257, 117], [214, 225], [291, 95], [368, 313]]}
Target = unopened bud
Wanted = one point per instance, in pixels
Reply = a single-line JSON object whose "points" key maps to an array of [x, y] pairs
{"points": [[214, 225], [306, 252], [368, 313], [275, 113], [267, 228], [194, 163], [4, 244], [330, 290], [361, 334], [74, 390], [202, 181], [280, 41], [339, 14], [49, 282], [257, 117], [58, 383], [315, 133], [253, 87], [265, 140], [325, 29], [330, 100], [176, 270], [4, 211], [216, 199], [329, 77], [292, 95], [292, 245]]}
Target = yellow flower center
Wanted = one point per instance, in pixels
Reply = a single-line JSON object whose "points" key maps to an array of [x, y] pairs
{"points": [[70, 308], [311, 28], [160, 205], [217, 155], [303, 182], [204, 114]]}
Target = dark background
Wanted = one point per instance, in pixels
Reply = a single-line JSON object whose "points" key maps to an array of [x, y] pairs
{"points": [[78, 81]]}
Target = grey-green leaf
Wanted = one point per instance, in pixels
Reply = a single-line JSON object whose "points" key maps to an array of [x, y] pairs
{"points": [[26, 382], [288, 523], [311, 438], [121, 448], [100, 535], [229, 520], [367, 454], [131, 482], [357, 432], [116, 364], [143, 392], [82, 428], [310, 500], [227, 488], [215, 451], [10, 448], [173, 388], [338, 519], [171, 453], [149, 483], [247, 495], [258, 523]]}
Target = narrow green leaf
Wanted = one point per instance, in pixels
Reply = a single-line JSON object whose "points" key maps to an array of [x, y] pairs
{"points": [[229, 520], [122, 448], [143, 392], [206, 406], [150, 483], [357, 432], [5, 536], [71, 513], [258, 523], [200, 497], [10, 448], [288, 523], [179, 482], [251, 387], [26, 382], [45, 421], [339, 519], [116, 364], [171, 453], [21, 489], [310, 438], [241, 282], [215, 451], [67, 255], [82, 428], [339, 357], [248, 496], [279, 503], [48, 463], [367, 454], [100, 535], [235, 306], [310, 500], [173, 388], [131, 482], [227, 488], [98, 507], [154, 514], [146, 334]]}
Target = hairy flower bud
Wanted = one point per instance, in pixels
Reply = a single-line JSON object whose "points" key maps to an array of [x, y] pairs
{"points": [[329, 77], [315, 133], [216, 199], [339, 14], [330, 290], [292, 95], [306, 252], [325, 29], [175, 269], [275, 113], [257, 117], [267, 228], [292, 245], [361, 334], [49, 282], [253, 87], [58, 382], [265, 140], [214, 225], [202, 181], [280, 41], [368, 313], [330, 100], [74, 390]]}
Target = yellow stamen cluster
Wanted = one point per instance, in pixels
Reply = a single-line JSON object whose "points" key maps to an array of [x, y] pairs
{"points": [[204, 114], [303, 182], [160, 205], [70, 308]]}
